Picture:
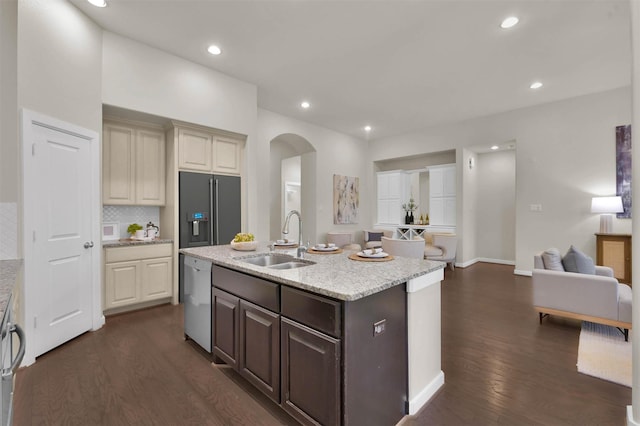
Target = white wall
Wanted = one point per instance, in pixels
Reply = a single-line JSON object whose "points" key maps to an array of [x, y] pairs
{"points": [[496, 206], [60, 62], [336, 153], [565, 155], [466, 206]]}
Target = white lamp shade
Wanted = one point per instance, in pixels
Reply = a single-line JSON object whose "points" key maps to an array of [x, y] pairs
{"points": [[606, 205]]}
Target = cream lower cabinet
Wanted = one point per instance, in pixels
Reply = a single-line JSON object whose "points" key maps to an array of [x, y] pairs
{"points": [[137, 276]]}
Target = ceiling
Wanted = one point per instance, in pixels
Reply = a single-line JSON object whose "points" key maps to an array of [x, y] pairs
{"points": [[396, 65]]}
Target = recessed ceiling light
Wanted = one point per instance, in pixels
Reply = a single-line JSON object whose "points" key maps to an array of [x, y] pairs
{"points": [[367, 128], [509, 22], [98, 3], [535, 85], [495, 147], [305, 105], [214, 50]]}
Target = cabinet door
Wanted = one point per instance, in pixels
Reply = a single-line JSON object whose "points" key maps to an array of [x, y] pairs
{"points": [[310, 374], [449, 182], [449, 211], [225, 326], [226, 156], [156, 278], [118, 162], [194, 150], [259, 361], [436, 183], [150, 168], [436, 211], [121, 286]]}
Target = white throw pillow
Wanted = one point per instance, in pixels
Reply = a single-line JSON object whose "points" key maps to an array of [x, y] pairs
{"points": [[552, 260]]}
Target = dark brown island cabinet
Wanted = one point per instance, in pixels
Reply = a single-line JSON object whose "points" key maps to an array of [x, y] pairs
{"points": [[325, 361]]}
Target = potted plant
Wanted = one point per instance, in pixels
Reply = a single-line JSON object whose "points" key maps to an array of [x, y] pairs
{"points": [[133, 228]]}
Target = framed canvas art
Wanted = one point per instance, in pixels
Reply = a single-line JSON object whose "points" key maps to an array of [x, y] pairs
{"points": [[346, 199], [623, 169]]}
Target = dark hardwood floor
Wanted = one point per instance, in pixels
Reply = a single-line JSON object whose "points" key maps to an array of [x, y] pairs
{"points": [[500, 365]]}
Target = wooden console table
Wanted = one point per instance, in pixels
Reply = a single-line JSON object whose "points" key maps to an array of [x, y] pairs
{"points": [[614, 251]]}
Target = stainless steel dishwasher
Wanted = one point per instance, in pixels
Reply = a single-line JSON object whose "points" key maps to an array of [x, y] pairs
{"points": [[197, 301]]}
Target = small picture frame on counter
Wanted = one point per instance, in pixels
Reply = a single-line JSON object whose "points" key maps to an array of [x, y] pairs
{"points": [[110, 231]]}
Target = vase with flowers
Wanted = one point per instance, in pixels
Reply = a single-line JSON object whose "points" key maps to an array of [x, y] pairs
{"points": [[409, 208]]}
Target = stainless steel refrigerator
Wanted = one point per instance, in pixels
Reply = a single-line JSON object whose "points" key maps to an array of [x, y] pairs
{"points": [[209, 208]]}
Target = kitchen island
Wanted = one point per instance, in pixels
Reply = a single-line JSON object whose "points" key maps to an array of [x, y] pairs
{"points": [[337, 341]]}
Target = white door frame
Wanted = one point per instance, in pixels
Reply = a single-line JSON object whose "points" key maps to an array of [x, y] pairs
{"points": [[30, 216]]}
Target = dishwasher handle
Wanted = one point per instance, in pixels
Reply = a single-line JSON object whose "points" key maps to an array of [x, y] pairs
{"points": [[15, 328]]}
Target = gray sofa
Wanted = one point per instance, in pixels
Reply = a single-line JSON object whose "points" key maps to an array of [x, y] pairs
{"points": [[596, 298]]}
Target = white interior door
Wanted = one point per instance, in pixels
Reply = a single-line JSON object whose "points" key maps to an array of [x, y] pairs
{"points": [[61, 248]]}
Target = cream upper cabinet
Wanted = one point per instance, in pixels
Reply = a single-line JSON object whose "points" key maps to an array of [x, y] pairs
{"points": [[133, 165], [118, 159], [226, 156], [150, 168], [209, 151], [194, 150]]}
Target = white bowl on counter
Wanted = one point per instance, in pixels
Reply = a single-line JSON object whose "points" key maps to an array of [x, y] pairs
{"points": [[244, 245]]}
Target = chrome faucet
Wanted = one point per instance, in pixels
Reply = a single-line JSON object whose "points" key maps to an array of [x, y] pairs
{"points": [[285, 230]]}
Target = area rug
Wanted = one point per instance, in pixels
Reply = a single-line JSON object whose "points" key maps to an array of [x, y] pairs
{"points": [[603, 353]]}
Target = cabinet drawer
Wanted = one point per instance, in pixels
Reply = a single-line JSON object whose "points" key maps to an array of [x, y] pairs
{"points": [[122, 254], [315, 311], [256, 290]]}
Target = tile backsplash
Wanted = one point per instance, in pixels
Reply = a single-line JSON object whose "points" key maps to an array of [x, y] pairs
{"points": [[126, 215], [8, 231]]}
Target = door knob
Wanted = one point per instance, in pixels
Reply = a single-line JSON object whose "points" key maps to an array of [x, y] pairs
{"points": [[88, 244]]}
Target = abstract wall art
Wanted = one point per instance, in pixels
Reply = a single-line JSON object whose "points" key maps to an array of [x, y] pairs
{"points": [[346, 199], [623, 169]]}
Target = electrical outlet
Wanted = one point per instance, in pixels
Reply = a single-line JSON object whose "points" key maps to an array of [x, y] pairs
{"points": [[379, 327], [535, 207]]}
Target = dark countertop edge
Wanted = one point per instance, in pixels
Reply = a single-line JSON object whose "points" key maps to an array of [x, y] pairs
{"points": [[9, 270], [130, 243], [236, 266]]}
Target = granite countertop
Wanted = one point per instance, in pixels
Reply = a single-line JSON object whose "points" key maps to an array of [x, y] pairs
{"points": [[129, 242], [9, 270], [333, 275]]}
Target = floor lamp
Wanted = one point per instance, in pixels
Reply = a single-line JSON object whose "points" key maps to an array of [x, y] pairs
{"points": [[606, 206]]}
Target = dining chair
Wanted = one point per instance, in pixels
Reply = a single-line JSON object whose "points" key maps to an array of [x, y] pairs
{"points": [[442, 248], [403, 248], [343, 240]]}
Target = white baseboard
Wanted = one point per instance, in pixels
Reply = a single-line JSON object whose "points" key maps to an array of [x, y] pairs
{"points": [[499, 261], [485, 260], [522, 272], [466, 264], [630, 420], [426, 394]]}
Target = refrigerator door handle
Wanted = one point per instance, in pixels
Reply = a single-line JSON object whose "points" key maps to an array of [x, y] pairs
{"points": [[217, 207], [211, 211]]}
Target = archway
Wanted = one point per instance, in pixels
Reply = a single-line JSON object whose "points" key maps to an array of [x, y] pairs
{"points": [[293, 167]]}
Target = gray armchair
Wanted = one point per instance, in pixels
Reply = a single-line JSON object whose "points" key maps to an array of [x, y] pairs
{"points": [[596, 298]]}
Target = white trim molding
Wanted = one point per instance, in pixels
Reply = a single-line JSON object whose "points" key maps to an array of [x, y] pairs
{"points": [[630, 420], [426, 394]]}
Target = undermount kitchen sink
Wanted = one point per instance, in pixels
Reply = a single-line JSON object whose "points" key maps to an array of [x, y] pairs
{"points": [[277, 261]]}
